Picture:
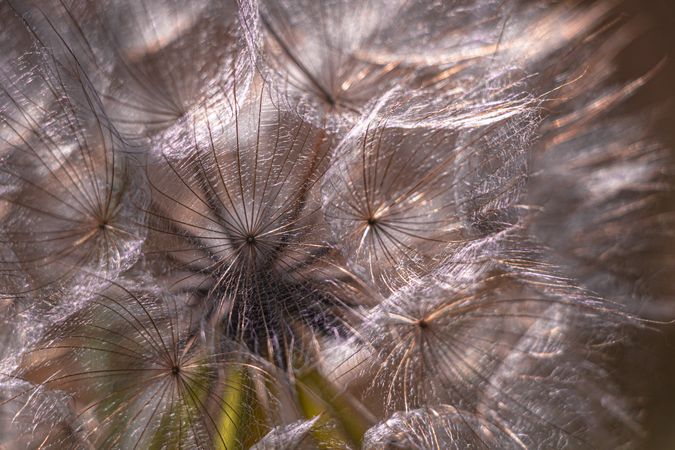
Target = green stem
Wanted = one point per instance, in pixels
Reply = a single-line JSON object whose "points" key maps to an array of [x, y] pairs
{"points": [[317, 395]]}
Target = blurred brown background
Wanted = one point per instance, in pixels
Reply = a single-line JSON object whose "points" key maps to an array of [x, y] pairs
{"points": [[656, 44]]}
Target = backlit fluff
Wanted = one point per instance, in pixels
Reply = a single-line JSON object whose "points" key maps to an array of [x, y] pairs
{"points": [[324, 224]]}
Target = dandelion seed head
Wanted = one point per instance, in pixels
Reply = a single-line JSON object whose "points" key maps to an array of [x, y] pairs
{"points": [[75, 195], [135, 357], [325, 224]]}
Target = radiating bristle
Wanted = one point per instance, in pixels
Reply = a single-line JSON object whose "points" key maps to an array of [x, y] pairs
{"points": [[151, 61], [71, 191], [327, 224], [138, 372]]}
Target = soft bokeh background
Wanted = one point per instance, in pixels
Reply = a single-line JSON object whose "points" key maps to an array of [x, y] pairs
{"points": [[655, 44]]}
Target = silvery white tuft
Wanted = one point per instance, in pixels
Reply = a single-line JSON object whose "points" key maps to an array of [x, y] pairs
{"points": [[326, 224]]}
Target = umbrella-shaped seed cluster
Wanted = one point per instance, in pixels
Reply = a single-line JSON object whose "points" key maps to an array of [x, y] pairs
{"points": [[281, 224]]}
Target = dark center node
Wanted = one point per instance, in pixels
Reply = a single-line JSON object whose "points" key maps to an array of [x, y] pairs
{"points": [[250, 239], [371, 221], [423, 324], [175, 370]]}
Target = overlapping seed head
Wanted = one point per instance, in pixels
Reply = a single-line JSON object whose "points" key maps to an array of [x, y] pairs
{"points": [[323, 224]]}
